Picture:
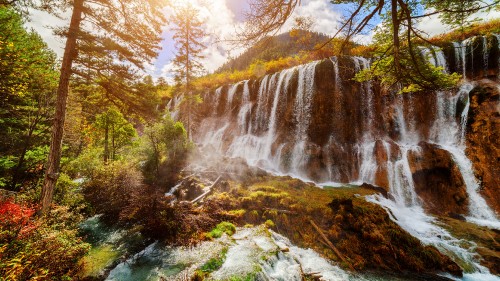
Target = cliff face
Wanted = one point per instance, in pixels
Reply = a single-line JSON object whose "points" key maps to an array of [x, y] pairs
{"points": [[483, 138], [314, 122]]}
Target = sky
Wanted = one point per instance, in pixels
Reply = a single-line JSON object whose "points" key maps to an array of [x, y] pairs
{"points": [[223, 18]]}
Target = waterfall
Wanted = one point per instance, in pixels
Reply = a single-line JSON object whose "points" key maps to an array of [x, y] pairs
{"points": [[485, 53], [283, 82], [230, 95], [245, 108], [302, 114], [275, 124], [218, 94]]}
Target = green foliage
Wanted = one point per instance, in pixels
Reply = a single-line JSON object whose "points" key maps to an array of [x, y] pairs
{"points": [[68, 192], [27, 82], [220, 229], [276, 47], [113, 131], [464, 9], [188, 35], [417, 75], [165, 145], [269, 224], [86, 164]]}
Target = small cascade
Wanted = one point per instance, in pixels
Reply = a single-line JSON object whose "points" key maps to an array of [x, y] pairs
{"points": [[218, 96], [246, 106], [435, 56], [230, 95], [261, 111], [497, 36], [485, 53]]}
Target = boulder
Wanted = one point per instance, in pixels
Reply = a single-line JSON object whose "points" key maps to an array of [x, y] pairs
{"points": [[438, 180]]}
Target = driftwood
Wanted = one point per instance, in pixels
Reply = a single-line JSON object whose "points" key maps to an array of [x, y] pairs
{"points": [[330, 244], [210, 190], [280, 211]]}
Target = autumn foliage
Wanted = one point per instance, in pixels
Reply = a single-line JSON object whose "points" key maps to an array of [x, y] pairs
{"points": [[38, 248]]}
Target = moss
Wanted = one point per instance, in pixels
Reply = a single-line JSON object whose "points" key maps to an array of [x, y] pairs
{"points": [[269, 224], [249, 277], [486, 240], [237, 213], [214, 264], [220, 229], [361, 231], [98, 259]]}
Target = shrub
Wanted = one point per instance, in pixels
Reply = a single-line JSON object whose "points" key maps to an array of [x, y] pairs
{"points": [[38, 249], [110, 187]]}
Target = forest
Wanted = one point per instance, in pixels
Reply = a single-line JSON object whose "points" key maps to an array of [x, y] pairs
{"points": [[311, 154]]}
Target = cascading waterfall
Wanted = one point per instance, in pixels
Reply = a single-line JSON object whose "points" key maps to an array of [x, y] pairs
{"points": [[302, 113], [263, 137], [405, 204]]}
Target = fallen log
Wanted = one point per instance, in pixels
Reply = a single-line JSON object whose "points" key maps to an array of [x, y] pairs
{"points": [[330, 244], [209, 191]]}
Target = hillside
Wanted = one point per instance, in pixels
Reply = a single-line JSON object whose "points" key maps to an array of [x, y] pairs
{"points": [[275, 47]]}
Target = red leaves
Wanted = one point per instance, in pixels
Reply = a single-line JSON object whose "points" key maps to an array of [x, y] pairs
{"points": [[15, 218]]}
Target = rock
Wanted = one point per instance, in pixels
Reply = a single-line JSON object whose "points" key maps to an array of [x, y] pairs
{"points": [[438, 180], [483, 139], [379, 189]]}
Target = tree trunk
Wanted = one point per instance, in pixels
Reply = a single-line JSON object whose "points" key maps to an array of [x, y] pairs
{"points": [[106, 141], [70, 52], [113, 146], [395, 30]]}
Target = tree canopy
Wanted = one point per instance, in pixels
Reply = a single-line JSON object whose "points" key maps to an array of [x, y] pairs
{"points": [[28, 80]]}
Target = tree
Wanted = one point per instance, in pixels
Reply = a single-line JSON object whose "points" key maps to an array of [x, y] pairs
{"points": [[28, 80], [113, 131], [302, 30], [188, 35], [166, 148], [399, 17], [105, 39]]}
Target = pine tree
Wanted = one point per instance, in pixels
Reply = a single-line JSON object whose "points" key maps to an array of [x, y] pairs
{"points": [[107, 41], [188, 35]]}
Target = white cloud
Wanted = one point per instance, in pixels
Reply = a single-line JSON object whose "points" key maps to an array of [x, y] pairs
{"points": [[44, 23], [432, 25], [326, 19]]}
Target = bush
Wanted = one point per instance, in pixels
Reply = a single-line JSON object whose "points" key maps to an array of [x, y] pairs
{"points": [[38, 249], [110, 188]]}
